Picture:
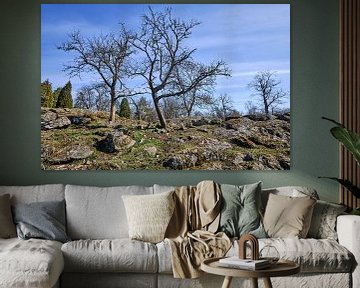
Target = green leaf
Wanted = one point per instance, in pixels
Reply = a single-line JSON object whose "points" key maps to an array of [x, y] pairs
{"points": [[355, 211], [348, 138], [333, 121], [348, 185]]}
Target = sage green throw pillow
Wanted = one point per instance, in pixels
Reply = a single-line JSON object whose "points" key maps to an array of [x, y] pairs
{"points": [[240, 213]]}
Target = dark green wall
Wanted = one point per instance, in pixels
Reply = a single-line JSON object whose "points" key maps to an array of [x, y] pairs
{"points": [[314, 93]]}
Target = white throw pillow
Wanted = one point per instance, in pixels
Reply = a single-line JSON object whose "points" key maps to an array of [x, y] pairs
{"points": [[149, 215]]}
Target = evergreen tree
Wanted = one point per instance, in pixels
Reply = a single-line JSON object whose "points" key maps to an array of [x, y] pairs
{"points": [[65, 99], [56, 94], [47, 95], [144, 110], [125, 108]]}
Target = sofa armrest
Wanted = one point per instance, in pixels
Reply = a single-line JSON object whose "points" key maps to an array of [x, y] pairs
{"points": [[348, 230]]}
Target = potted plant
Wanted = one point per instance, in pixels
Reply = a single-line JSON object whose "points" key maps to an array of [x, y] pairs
{"points": [[351, 141]]}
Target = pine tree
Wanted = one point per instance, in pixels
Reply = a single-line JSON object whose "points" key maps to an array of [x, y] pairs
{"points": [[47, 95], [56, 94], [144, 111], [125, 108], [65, 99]]}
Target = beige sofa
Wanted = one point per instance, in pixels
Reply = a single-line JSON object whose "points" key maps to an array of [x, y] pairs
{"points": [[101, 254]]}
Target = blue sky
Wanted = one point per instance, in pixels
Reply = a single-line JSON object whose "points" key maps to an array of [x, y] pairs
{"points": [[249, 37]]}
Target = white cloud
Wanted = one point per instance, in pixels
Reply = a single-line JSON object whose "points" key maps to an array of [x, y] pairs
{"points": [[60, 30], [253, 73]]}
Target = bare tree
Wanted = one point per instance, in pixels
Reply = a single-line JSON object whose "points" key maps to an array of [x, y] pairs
{"points": [[201, 95], [172, 108], [104, 55], [143, 109], [93, 97], [251, 108], [102, 101], [161, 42], [281, 111], [266, 84], [84, 98], [223, 106]]}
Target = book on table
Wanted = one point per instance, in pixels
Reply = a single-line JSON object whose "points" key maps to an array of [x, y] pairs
{"points": [[249, 264]]}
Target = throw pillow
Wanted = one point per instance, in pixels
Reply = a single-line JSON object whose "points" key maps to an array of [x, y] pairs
{"points": [[149, 215], [7, 227], [288, 217], [323, 222], [292, 191], [43, 220], [240, 213]]}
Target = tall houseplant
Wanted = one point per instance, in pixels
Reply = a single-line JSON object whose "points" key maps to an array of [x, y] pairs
{"points": [[351, 141]]}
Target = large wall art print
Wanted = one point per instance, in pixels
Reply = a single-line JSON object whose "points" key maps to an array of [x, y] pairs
{"points": [[165, 86]]}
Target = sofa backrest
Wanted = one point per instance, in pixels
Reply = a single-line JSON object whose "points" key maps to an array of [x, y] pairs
{"points": [[293, 191], [163, 188], [35, 193], [98, 212]]}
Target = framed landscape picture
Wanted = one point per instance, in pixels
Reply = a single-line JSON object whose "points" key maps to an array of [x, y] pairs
{"points": [[165, 87]]}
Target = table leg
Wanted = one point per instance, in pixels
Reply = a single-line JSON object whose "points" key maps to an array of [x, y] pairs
{"points": [[267, 283], [254, 282], [227, 282]]}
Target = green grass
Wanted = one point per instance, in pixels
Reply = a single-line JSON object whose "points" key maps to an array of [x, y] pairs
{"points": [[168, 144]]}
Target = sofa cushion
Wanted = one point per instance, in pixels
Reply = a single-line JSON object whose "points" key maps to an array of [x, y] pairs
{"points": [[164, 257], [117, 255], [313, 255], [7, 226], [30, 263], [43, 220], [98, 213], [149, 215], [291, 191], [323, 222], [287, 216], [240, 210], [35, 193]]}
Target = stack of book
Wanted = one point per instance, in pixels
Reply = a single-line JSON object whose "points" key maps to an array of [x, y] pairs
{"points": [[248, 264]]}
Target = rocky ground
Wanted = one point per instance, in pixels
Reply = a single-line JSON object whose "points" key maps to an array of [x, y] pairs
{"points": [[74, 139]]}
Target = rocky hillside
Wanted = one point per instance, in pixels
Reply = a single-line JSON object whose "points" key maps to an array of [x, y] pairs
{"points": [[74, 139]]}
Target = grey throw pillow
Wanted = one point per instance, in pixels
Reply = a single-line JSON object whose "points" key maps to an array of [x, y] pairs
{"points": [[44, 220], [323, 222], [240, 213]]}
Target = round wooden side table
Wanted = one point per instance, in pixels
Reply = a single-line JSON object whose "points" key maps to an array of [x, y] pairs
{"points": [[281, 268]]}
